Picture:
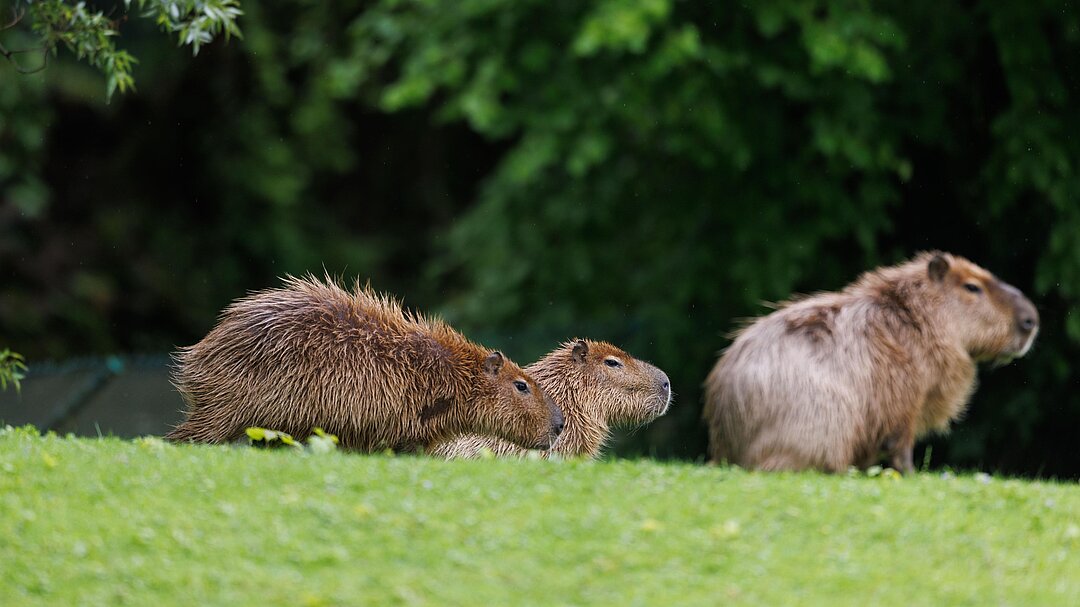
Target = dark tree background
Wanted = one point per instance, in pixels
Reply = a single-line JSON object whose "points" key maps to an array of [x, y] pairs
{"points": [[645, 171]]}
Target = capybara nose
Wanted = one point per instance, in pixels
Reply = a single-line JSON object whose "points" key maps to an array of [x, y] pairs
{"points": [[557, 426], [1027, 318], [558, 422]]}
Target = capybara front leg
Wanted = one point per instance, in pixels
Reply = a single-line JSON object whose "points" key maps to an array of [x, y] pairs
{"points": [[900, 448]]}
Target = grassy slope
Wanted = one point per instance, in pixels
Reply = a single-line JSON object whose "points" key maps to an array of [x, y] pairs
{"points": [[110, 522]]}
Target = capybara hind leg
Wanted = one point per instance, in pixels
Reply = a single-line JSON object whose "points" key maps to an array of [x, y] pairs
{"points": [[717, 454], [201, 429], [793, 462], [181, 433], [779, 462]]}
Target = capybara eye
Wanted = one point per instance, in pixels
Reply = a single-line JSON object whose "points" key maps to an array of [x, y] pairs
{"points": [[521, 386], [972, 287], [612, 362]]}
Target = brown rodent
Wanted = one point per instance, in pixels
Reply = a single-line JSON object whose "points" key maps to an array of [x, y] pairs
{"points": [[311, 354], [831, 380], [597, 386]]}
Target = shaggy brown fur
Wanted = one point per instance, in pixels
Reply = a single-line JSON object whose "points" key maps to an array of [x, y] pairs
{"points": [[311, 354], [829, 381], [597, 386]]}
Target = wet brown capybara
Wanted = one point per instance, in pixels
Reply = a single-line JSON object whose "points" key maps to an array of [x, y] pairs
{"points": [[597, 386], [831, 380], [311, 354]]}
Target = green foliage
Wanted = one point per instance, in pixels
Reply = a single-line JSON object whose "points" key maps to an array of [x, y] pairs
{"points": [[12, 369], [86, 33], [147, 523], [268, 437], [195, 22], [90, 34]]}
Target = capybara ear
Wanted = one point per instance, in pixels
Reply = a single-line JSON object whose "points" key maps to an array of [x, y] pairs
{"points": [[493, 362], [580, 351], [938, 267]]}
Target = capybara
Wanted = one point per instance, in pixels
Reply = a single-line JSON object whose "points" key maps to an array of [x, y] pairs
{"points": [[832, 380], [597, 386], [311, 354]]}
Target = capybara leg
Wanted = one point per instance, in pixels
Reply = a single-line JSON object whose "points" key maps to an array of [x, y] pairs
{"points": [[202, 429], [900, 448], [870, 459], [181, 433], [717, 455], [778, 462]]}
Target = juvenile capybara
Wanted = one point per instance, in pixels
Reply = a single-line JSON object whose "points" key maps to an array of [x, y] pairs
{"points": [[311, 354], [597, 386], [831, 381]]}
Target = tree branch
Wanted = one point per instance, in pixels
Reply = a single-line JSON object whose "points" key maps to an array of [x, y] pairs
{"points": [[10, 56], [16, 17]]}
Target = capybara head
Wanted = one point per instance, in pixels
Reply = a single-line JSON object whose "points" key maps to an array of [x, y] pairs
{"points": [[519, 410], [992, 318], [632, 391]]}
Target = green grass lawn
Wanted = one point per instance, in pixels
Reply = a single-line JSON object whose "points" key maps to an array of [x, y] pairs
{"points": [[110, 522]]}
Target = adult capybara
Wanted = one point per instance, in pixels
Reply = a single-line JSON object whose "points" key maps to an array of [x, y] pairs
{"points": [[597, 386], [831, 380], [311, 354]]}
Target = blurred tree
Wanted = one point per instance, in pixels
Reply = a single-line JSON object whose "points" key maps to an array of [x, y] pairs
{"points": [[638, 170], [90, 35]]}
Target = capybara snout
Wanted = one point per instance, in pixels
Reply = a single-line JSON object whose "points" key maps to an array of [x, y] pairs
{"points": [[662, 399], [558, 422], [1027, 320]]}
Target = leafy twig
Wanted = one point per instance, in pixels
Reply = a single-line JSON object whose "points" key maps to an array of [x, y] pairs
{"points": [[12, 369], [16, 17], [90, 34]]}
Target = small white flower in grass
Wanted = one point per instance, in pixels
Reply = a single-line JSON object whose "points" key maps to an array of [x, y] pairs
{"points": [[151, 443], [322, 442], [728, 529]]}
